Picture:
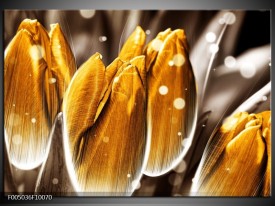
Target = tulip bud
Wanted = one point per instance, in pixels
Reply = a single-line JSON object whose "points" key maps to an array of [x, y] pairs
{"points": [[235, 159], [32, 96], [172, 101], [104, 127]]}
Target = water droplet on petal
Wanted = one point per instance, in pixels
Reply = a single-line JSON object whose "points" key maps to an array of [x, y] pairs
{"points": [[179, 103], [33, 120], [163, 90], [179, 133], [128, 175]]}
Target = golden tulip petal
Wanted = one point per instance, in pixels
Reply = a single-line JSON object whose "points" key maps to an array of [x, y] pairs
{"points": [[63, 63], [237, 170], [39, 36], [26, 122], [134, 45], [81, 101], [172, 105], [152, 49], [110, 73]]}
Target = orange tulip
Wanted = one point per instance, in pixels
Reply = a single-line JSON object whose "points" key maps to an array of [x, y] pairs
{"points": [[236, 161], [37, 70], [104, 124], [172, 101]]}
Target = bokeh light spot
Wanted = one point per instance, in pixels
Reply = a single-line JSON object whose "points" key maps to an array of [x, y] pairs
{"points": [[157, 44], [210, 37], [36, 52], [163, 90], [87, 14], [230, 62], [179, 103], [247, 70], [213, 48], [178, 60]]}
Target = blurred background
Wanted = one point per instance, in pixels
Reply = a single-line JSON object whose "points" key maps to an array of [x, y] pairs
{"points": [[229, 50]]}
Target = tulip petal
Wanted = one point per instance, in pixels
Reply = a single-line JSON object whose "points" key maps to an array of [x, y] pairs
{"points": [[26, 122], [110, 73], [82, 99], [151, 50], [172, 105], [134, 45], [63, 63], [39, 35]]}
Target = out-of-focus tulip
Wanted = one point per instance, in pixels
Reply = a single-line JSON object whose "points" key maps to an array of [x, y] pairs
{"points": [[172, 101], [236, 161], [104, 125], [37, 69]]}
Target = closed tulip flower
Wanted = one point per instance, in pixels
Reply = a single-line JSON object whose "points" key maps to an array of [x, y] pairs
{"points": [[236, 161], [104, 124], [172, 101], [37, 69]]}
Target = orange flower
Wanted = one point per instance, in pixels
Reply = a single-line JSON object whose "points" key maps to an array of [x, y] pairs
{"points": [[104, 123], [37, 70], [172, 101], [237, 159]]}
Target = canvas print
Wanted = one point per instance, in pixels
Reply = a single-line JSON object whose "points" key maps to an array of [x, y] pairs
{"points": [[137, 103]]}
